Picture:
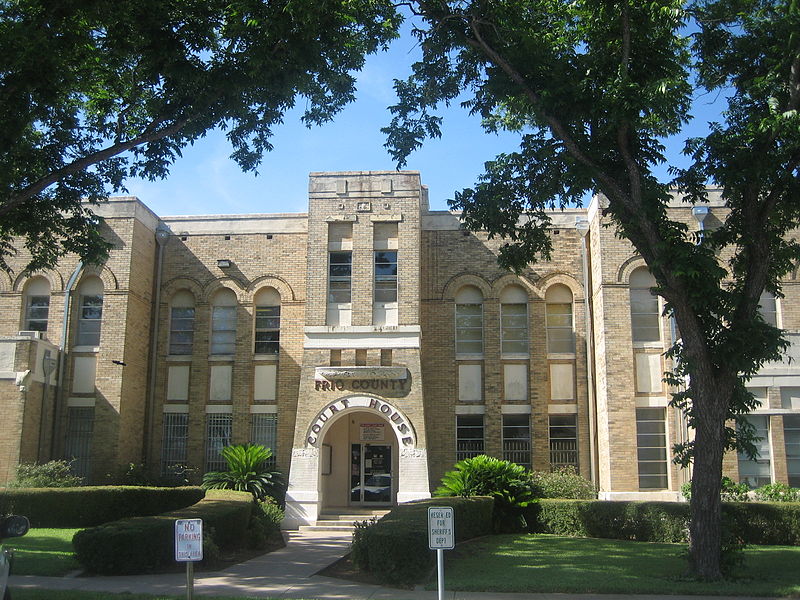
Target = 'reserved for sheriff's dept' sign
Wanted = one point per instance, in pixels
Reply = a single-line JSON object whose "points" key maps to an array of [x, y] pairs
{"points": [[441, 532]]}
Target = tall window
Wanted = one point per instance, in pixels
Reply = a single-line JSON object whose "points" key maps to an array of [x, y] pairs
{"points": [[264, 431], [384, 308], [223, 322], [768, 308], [218, 435], [563, 430], [78, 442], [644, 307], [514, 320], [469, 320], [340, 273], [651, 447], [37, 304], [517, 439], [181, 323], [469, 436], [791, 437], [560, 330], [268, 322], [173, 443], [91, 312], [756, 473]]}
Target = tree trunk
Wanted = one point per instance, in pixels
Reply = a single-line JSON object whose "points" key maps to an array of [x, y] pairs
{"points": [[705, 530]]}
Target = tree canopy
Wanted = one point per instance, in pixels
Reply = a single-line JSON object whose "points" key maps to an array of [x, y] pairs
{"points": [[92, 92], [594, 88]]}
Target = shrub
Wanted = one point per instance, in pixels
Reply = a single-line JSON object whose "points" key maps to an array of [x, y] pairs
{"points": [[562, 483], [52, 474], [777, 492], [753, 523], [641, 521], [502, 480], [265, 523], [144, 544], [730, 491], [248, 471], [87, 506], [395, 549]]}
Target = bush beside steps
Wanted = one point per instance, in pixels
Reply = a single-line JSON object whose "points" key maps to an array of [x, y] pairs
{"points": [[145, 544]]}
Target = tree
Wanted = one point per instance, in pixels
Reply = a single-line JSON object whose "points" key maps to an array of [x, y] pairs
{"points": [[92, 92], [248, 471], [594, 88]]}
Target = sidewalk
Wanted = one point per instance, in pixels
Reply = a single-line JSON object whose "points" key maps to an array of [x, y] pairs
{"points": [[288, 573]]}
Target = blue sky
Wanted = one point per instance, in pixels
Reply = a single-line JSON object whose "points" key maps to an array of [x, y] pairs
{"points": [[206, 181]]}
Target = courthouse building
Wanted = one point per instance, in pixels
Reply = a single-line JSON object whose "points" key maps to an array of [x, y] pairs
{"points": [[371, 343]]}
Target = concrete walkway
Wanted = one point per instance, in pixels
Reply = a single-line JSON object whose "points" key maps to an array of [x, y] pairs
{"points": [[286, 573]]}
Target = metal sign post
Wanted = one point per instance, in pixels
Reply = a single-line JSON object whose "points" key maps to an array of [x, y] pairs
{"points": [[441, 536], [189, 548]]}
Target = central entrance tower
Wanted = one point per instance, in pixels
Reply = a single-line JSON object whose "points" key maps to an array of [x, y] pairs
{"points": [[360, 430]]}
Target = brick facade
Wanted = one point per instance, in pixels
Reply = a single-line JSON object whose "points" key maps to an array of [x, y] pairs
{"points": [[350, 376]]}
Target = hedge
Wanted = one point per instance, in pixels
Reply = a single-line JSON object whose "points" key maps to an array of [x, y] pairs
{"points": [[754, 523], [395, 549], [144, 544], [88, 506]]}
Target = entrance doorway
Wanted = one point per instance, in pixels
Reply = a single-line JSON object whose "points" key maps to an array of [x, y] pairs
{"points": [[370, 474]]}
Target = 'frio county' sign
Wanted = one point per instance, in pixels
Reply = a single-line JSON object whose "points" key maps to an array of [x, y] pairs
{"points": [[397, 420]]}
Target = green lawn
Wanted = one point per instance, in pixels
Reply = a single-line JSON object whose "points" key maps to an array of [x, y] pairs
{"points": [[20, 594], [44, 552], [547, 563]]}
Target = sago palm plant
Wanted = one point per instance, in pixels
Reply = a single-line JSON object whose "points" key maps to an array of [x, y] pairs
{"points": [[248, 471]]}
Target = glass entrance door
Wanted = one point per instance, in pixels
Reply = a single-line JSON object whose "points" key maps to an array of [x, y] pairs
{"points": [[371, 474]]}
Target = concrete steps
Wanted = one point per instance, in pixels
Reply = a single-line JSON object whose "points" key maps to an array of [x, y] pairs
{"points": [[342, 522]]}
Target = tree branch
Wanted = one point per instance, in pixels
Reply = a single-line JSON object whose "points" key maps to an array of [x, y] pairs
{"points": [[151, 134]]}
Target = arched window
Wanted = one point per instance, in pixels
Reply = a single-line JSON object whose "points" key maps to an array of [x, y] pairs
{"points": [[514, 320], [768, 308], [469, 320], [223, 322], [91, 311], [644, 307], [268, 321], [37, 304], [181, 323], [560, 328]]}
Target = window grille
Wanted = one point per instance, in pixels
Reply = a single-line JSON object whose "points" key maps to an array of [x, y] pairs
{"points": [[78, 443], [218, 435], [651, 447], [517, 439], [563, 431], [264, 431], [469, 436], [173, 443]]}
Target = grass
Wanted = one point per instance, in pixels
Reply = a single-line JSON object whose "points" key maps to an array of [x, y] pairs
{"points": [[21, 594], [547, 563], [44, 552]]}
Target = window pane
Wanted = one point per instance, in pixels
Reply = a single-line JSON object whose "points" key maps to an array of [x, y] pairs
{"points": [[651, 442], [563, 441], [469, 436]]}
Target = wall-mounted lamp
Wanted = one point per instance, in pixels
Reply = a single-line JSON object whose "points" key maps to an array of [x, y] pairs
{"points": [[700, 213], [582, 225], [223, 263]]}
